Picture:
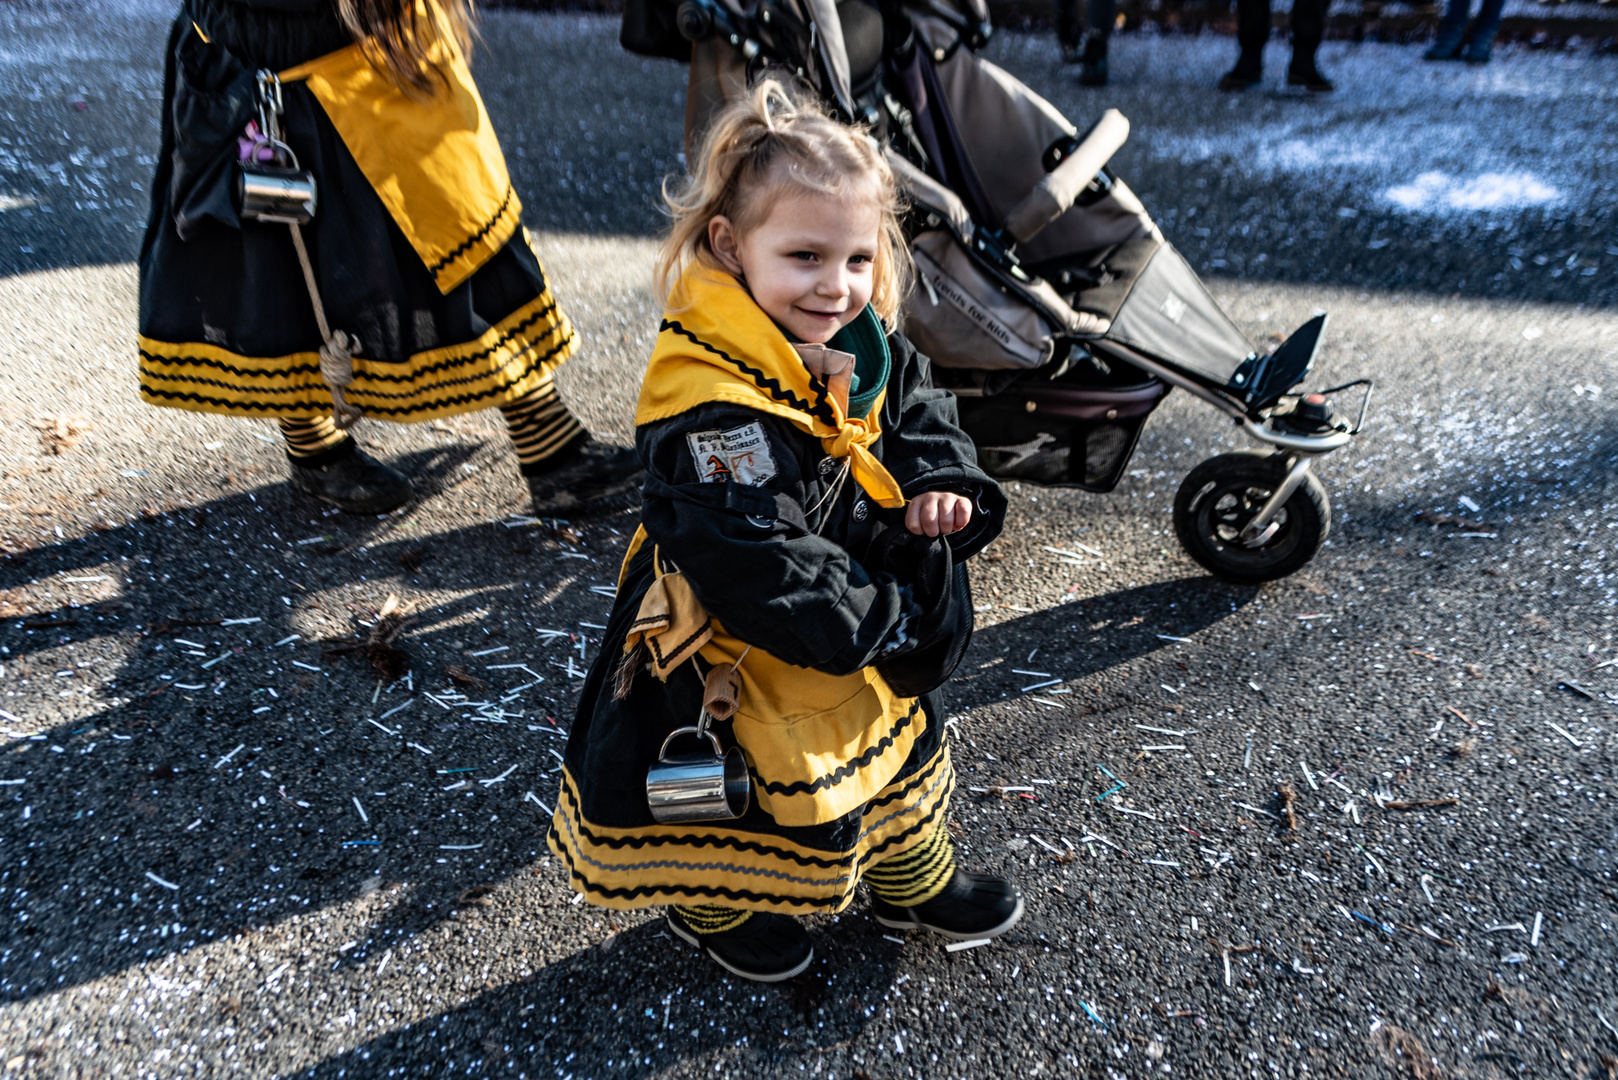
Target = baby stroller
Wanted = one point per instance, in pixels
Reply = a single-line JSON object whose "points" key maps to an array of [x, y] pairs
{"points": [[1048, 300]]}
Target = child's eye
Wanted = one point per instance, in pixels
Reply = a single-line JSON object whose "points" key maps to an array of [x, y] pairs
{"points": [[804, 256], [860, 260]]}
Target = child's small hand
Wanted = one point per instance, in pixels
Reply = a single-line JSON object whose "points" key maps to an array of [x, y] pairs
{"points": [[938, 513]]}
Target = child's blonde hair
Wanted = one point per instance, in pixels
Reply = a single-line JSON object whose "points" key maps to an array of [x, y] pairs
{"points": [[766, 145]]}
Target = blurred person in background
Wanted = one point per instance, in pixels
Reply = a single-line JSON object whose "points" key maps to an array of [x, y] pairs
{"points": [[1457, 40], [1253, 30], [1086, 46]]}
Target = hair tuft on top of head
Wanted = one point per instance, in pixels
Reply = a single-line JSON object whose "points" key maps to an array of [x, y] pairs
{"points": [[770, 143]]}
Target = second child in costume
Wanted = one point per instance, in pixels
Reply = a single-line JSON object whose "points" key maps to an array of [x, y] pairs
{"points": [[798, 573], [411, 294]]}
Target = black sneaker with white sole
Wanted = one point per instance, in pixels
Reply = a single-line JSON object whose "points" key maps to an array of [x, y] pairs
{"points": [[765, 948], [352, 480], [584, 474], [971, 907]]}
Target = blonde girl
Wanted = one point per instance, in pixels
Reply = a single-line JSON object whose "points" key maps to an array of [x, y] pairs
{"points": [[798, 575]]}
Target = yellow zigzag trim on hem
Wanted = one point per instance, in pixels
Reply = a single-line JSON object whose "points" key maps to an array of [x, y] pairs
{"points": [[702, 863], [509, 360]]}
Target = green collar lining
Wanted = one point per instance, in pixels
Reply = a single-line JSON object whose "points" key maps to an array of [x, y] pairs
{"points": [[865, 338]]}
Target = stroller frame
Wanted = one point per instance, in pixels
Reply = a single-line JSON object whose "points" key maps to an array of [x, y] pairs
{"points": [[1005, 333]]}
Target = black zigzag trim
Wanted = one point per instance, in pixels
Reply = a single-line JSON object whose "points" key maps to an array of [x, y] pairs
{"points": [[772, 386], [314, 369], [657, 650], [476, 237], [718, 843], [876, 854], [370, 410], [911, 782], [848, 768], [654, 893]]}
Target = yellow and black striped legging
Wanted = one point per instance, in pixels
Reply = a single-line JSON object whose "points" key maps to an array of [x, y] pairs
{"points": [[904, 881], [539, 422]]}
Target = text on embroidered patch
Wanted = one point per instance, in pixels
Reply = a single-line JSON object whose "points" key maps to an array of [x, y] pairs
{"points": [[741, 454]]}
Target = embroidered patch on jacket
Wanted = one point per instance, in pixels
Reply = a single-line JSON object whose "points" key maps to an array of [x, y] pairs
{"points": [[741, 454]]}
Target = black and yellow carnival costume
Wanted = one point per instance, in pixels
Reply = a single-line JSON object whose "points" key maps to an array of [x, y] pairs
{"points": [[765, 506], [417, 243]]}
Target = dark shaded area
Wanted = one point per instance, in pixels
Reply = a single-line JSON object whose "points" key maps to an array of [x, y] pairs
{"points": [[160, 756]]}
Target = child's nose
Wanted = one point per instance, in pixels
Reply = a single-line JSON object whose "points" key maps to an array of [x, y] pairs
{"points": [[834, 282]]}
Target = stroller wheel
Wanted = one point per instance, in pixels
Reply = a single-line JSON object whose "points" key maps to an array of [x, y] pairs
{"points": [[1224, 493]]}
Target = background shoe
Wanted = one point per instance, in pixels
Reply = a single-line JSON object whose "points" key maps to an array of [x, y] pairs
{"points": [[1476, 54], [1444, 49], [971, 907], [585, 473], [766, 948], [352, 480], [1240, 80], [1311, 80]]}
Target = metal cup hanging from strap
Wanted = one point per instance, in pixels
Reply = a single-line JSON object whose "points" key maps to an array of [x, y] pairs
{"points": [[706, 784], [270, 185]]}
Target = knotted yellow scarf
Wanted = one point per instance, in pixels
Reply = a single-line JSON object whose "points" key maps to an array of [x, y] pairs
{"points": [[719, 346]]}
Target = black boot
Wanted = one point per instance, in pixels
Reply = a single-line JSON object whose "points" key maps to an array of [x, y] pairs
{"points": [[1303, 72], [1309, 78], [1093, 59], [971, 907], [349, 478], [582, 474], [1249, 71], [764, 948]]}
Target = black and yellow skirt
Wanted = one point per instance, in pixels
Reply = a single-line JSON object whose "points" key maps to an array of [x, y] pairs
{"points": [[617, 856], [417, 247]]}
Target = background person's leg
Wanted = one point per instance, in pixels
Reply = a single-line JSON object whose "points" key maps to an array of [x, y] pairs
{"points": [[1252, 31], [328, 464], [540, 426], [1094, 57], [1451, 32], [567, 469], [1480, 42], [1308, 28], [1069, 31]]}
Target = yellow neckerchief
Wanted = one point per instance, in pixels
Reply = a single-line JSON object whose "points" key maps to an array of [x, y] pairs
{"points": [[719, 346]]}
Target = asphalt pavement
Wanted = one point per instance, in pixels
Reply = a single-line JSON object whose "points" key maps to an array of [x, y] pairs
{"points": [[1356, 823]]}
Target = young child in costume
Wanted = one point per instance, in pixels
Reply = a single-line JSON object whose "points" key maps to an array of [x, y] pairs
{"points": [[412, 293], [809, 504]]}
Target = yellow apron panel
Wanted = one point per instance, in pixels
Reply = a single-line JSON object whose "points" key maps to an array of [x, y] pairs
{"points": [[820, 745], [435, 163]]}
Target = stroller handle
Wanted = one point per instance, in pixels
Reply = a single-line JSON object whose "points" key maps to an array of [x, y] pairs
{"points": [[1053, 195]]}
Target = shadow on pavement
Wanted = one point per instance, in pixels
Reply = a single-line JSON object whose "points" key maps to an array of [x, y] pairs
{"points": [[236, 782], [149, 786], [655, 1005]]}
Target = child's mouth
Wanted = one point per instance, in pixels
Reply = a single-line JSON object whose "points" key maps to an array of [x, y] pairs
{"points": [[823, 316]]}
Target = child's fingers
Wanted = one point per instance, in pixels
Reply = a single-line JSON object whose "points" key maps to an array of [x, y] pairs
{"points": [[962, 516], [927, 514]]}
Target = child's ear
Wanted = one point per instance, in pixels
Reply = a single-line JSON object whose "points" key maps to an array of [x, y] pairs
{"points": [[722, 242]]}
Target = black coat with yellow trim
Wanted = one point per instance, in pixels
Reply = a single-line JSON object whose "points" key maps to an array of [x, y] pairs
{"points": [[778, 562]]}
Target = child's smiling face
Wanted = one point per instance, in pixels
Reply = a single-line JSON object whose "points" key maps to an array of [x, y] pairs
{"points": [[810, 263]]}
